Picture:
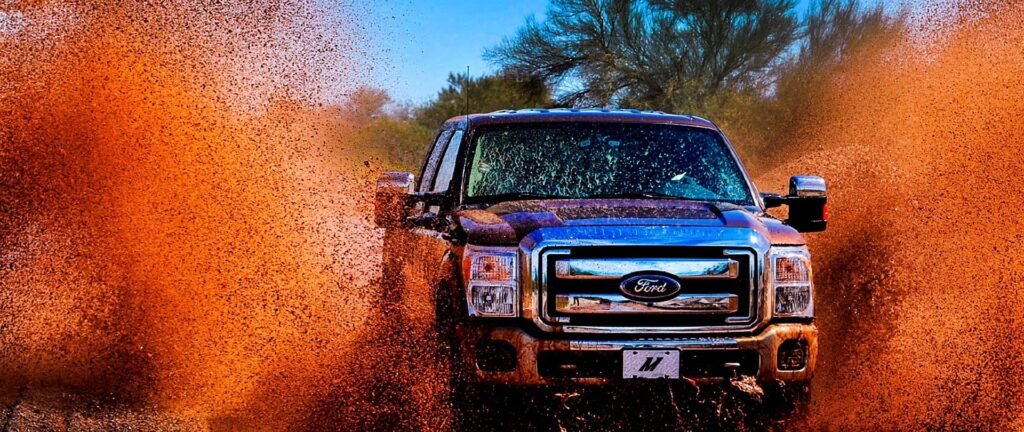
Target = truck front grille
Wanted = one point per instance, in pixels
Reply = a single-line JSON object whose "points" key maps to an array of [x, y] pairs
{"points": [[580, 287]]}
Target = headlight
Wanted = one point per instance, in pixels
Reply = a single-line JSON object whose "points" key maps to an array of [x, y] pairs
{"points": [[792, 281], [492, 282]]}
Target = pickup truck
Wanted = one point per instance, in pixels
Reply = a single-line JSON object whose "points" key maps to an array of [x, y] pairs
{"points": [[593, 246]]}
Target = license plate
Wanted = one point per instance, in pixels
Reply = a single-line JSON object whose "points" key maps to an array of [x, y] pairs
{"points": [[650, 364]]}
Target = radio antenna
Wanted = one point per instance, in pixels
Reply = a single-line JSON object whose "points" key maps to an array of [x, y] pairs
{"points": [[465, 87]]}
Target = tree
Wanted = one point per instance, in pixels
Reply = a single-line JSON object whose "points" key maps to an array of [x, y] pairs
{"points": [[485, 94], [835, 29], [834, 34], [400, 144], [381, 129], [366, 103], [665, 54], [751, 65]]}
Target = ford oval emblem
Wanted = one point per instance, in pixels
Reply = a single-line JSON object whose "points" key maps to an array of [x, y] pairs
{"points": [[650, 287]]}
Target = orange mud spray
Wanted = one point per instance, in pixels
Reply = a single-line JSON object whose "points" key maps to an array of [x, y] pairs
{"points": [[178, 224], [920, 278]]}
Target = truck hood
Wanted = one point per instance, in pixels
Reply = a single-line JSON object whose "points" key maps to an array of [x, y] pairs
{"points": [[508, 223]]}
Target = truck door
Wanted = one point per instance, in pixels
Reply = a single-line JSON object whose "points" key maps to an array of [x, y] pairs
{"points": [[413, 260], [417, 254]]}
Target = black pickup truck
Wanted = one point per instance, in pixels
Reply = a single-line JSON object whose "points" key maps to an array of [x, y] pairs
{"points": [[593, 246]]}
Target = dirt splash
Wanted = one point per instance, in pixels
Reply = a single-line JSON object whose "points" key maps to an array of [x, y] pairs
{"points": [[178, 224], [920, 277]]}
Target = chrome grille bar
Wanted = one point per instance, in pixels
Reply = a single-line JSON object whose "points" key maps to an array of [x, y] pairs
{"points": [[709, 304], [616, 268]]}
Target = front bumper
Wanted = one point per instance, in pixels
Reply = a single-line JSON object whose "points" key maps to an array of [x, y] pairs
{"points": [[528, 359]]}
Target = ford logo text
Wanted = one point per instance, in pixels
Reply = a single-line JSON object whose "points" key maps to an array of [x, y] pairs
{"points": [[650, 287]]}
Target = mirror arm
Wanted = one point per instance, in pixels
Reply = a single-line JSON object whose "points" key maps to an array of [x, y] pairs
{"points": [[772, 200], [427, 198], [424, 201]]}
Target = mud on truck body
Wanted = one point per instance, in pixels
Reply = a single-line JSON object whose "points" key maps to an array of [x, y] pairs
{"points": [[588, 247]]}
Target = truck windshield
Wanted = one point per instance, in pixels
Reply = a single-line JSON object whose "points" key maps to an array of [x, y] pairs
{"points": [[603, 160]]}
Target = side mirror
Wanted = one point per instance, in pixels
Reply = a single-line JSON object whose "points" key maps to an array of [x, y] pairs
{"points": [[391, 200], [807, 201]]}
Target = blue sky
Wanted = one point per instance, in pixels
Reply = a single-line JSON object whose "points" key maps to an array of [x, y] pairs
{"points": [[420, 42]]}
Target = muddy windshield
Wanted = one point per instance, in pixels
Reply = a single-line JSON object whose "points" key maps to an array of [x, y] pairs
{"points": [[603, 160]]}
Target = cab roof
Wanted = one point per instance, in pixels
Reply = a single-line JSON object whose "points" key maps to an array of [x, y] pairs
{"points": [[537, 115]]}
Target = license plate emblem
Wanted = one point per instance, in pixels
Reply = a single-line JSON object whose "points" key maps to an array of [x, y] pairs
{"points": [[650, 364]]}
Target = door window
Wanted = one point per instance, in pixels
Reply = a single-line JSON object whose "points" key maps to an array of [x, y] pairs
{"points": [[427, 179], [447, 168]]}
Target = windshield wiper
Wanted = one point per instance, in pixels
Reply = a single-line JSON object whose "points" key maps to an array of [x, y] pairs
{"points": [[517, 196], [649, 195], [522, 196]]}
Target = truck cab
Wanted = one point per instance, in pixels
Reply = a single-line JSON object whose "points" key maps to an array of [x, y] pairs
{"points": [[595, 246]]}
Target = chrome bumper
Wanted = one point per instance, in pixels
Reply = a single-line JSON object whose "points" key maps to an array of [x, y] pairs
{"points": [[527, 348]]}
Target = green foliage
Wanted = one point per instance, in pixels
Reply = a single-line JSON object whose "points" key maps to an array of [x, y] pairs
{"points": [[376, 129], [752, 66], [485, 94], [669, 55], [401, 144], [836, 34]]}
